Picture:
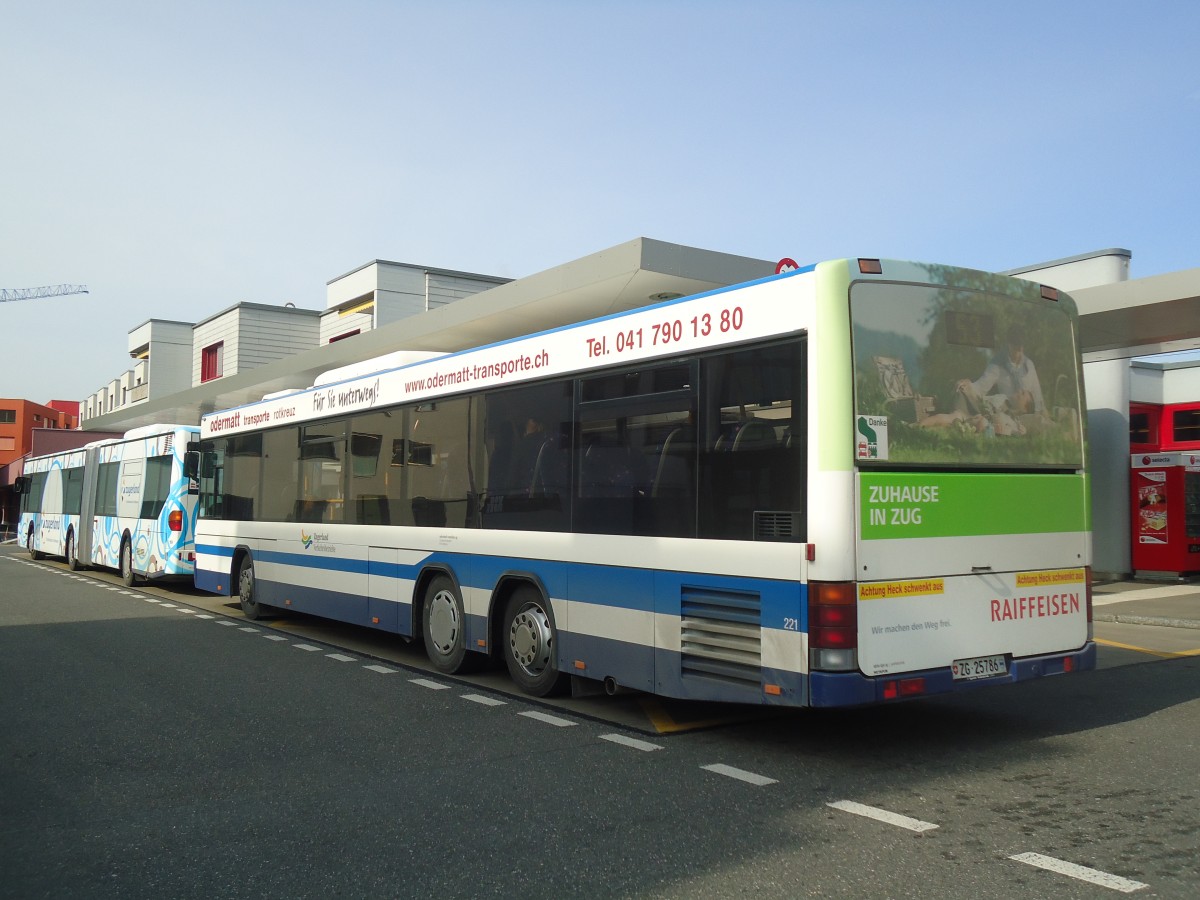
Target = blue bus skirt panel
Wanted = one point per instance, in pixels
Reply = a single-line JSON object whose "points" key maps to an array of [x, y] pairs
{"points": [[831, 689]]}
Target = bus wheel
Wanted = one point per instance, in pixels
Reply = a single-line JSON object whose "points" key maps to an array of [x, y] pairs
{"points": [[127, 574], [444, 626], [33, 554], [72, 559], [246, 593], [529, 644]]}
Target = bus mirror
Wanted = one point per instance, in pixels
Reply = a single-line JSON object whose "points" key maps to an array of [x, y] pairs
{"points": [[21, 485], [191, 468]]}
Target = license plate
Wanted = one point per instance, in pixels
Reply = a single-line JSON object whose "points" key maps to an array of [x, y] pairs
{"points": [[979, 667]]}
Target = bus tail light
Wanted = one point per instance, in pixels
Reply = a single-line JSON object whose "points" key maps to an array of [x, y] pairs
{"points": [[905, 687], [175, 520], [832, 626]]}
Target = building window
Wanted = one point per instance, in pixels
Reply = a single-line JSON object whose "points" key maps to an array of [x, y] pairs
{"points": [[342, 337], [1186, 425], [8, 416], [212, 361]]}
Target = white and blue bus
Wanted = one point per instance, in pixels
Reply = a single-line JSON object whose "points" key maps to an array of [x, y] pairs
{"points": [[124, 504], [859, 481]]}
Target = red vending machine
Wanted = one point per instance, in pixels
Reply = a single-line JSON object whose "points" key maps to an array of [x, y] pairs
{"points": [[1165, 489]]}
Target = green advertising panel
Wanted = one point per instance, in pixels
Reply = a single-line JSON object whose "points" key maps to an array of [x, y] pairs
{"points": [[933, 504]]}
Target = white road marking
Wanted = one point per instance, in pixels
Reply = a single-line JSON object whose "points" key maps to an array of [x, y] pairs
{"points": [[739, 774], [432, 685], [309, 647], [227, 623], [341, 657], [152, 600], [882, 815], [1083, 873], [204, 616], [548, 719], [382, 670], [630, 742], [169, 606], [275, 637], [1154, 593], [249, 630], [483, 700]]}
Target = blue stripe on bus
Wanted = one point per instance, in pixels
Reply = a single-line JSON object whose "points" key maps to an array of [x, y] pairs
{"points": [[644, 590]]}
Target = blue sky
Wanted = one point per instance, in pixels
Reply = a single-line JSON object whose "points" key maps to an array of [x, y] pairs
{"points": [[181, 157]]}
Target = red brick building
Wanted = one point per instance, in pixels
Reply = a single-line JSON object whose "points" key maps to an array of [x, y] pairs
{"points": [[18, 419]]}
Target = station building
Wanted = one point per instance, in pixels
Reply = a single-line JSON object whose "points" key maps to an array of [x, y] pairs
{"points": [[249, 350]]}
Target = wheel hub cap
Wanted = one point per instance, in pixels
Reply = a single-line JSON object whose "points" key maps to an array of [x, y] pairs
{"points": [[443, 621], [530, 639]]}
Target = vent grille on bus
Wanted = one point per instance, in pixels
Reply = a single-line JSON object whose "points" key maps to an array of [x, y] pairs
{"points": [[776, 525], [721, 635], [170, 447]]}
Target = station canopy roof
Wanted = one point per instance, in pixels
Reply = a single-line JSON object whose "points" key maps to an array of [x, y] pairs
{"points": [[636, 273]]}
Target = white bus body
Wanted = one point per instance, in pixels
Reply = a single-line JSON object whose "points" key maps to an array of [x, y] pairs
{"points": [[123, 504], [781, 492]]}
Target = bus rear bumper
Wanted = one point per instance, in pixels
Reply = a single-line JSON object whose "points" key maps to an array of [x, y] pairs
{"points": [[832, 689]]}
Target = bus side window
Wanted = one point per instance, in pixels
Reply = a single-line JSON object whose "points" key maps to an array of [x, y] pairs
{"points": [[751, 461]]}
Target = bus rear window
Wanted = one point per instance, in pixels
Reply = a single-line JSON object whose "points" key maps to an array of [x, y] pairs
{"points": [[946, 377]]}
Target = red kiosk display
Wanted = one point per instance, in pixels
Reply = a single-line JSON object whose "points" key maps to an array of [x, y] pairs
{"points": [[1164, 443]]}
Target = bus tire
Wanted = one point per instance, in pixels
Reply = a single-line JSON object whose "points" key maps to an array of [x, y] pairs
{"points": [[72, 557], [444, 627], [33, 554], [247, 592], [530, 642], [128, 576]]}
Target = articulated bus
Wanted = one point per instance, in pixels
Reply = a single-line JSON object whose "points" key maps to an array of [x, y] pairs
{"points": [[124, 504], [859, 481]]}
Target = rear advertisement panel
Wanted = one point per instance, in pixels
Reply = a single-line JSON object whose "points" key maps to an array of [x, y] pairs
{"points": [[975, 621]]}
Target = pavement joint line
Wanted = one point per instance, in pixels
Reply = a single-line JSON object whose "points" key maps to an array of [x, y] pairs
{"points": [[427, 683], [556, 721], [1082, 873], [1123, 619], [740, 774], [484, 700], [633, 743], [882, 815]]}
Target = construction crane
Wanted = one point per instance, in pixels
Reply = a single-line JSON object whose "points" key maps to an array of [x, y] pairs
{"points": [[55, 290]]}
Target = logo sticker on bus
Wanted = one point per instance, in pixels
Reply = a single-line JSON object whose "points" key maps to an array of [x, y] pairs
{"points": [[871, 441]]}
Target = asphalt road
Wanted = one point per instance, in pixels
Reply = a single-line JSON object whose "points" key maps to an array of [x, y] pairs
{"points": [[156, 748]]}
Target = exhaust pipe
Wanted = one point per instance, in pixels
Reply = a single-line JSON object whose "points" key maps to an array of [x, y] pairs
{"points": [[612, 688]]}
